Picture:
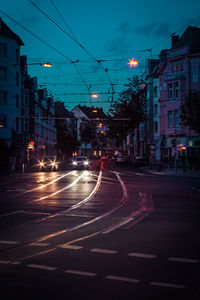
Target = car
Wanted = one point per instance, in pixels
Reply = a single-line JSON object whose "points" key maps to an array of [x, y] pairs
{"points": [[80, 162], [48, 163], [140, 161], [121, 159]]}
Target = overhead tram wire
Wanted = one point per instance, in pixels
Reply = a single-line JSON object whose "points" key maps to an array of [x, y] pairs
{"points": [[75, 40], [48, 45]]}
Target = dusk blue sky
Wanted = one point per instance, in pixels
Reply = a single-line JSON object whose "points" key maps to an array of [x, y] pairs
{"points": [[111, 30]]}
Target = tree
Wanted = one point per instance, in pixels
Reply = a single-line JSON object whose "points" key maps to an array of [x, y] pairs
{"points": [[190, 111], [87, 132], [129, 111]]}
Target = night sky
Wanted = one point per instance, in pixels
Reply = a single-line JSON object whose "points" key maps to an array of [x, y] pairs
{"points": [[110, 31]]}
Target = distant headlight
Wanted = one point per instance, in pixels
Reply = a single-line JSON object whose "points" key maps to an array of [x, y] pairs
{"points": [[42, 164], [53, 163], [74, 163], [86, 163]]}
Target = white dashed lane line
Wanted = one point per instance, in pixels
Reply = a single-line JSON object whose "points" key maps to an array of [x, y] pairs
{"points": [[105, 251], [42, 267], [82, 273], [142, 255], [184, 260], [8, 242], [5, 262], [39, 244], [168, 285], [72, 247], [127, 279]]}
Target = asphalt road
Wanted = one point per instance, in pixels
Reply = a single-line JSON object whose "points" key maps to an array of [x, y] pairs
{"points": [[112, 232]]}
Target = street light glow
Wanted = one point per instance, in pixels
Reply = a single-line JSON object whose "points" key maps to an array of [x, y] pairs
{"points": [[133, 62], [47, 65], [94, 95]]}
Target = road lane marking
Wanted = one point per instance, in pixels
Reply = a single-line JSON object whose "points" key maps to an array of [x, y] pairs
{"points": [[16, 262], [72, 247], [9, 242], [170, 285], [39, 244], [116, 226], [142, 255], [126, 279], [10, 214], [106, 251], [42, 267], [82, 273], [184, 260], [5, 262]]}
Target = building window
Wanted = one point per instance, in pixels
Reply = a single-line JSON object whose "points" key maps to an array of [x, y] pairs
{"points": [[3, 50], [170, 119], [25, 124], [3, 73], [170, 91], [182, 67], [155, 91], [17, 78], [155, 109], [17, 124], [17, 56], [17, 101], [176, 118], [3, 98], [26, 97], [176, 90], [3, 121], [155, 126], [173, 68], [194, 69]]}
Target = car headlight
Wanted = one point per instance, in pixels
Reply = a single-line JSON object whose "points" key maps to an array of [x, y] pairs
{"points": [[53, 164], [86, 163], [74, 163], [41, 164]]}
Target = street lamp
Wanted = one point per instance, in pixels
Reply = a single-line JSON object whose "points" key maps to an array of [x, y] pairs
{"points": [[133, 62], [46, 64]]}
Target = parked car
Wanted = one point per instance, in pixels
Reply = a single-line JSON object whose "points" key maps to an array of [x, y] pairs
{"points": [[140, 161], [121, 159], [48, 163], [80, 162]]}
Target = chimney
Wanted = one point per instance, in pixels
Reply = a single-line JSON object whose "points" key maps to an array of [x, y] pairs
{"points": [[174, 39]]}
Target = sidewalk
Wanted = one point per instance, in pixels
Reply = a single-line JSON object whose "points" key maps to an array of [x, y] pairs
{"points": [[171, 172]]}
